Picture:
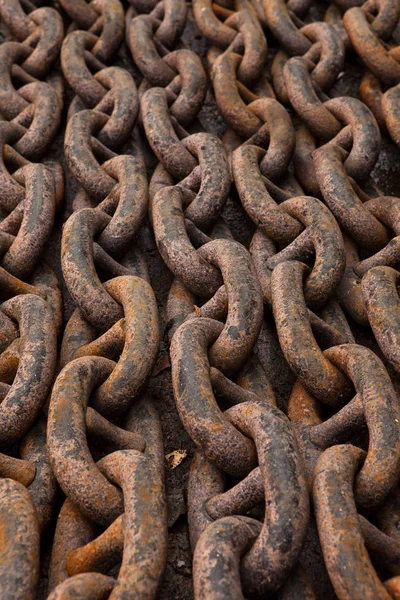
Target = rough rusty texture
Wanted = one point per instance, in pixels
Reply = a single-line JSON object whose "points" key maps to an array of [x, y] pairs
{"points": [[276, 550], [73, 531], [216, 560], [313, 427], [177, 580], [144, 526], [19, 565], [36, 366], [348, 563], [298, 344], [382, 414], [43, 489], [101, 554], [69, 454], [23, 471], [220, 441], [81, 587], [140, 346], [383, 304]]}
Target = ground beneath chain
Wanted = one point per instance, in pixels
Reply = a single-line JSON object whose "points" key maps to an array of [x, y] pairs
{"points": [[177, 582]]}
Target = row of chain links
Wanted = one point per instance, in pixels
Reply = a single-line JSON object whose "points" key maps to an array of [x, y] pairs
{"points": [[262, 482], [305, 256]]}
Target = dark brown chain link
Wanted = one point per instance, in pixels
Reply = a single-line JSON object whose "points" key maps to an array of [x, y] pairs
{"points": [[310, 286]]}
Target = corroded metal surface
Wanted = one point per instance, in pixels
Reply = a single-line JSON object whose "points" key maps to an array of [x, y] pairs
{"points": [[279, 341]]}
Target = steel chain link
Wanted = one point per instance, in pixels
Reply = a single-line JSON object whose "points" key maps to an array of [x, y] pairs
{"points": [[82, 456]]}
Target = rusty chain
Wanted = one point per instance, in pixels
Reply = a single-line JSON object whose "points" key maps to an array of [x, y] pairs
{"points": [[124, 88]]}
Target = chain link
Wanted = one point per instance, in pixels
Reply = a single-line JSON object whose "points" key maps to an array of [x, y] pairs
{"points": [[314, 286]]}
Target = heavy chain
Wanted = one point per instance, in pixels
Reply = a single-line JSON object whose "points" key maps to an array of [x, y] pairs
{"points": [[313, 283]]}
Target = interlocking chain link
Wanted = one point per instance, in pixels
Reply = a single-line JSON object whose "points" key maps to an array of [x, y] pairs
{"points": [[115, 96]]}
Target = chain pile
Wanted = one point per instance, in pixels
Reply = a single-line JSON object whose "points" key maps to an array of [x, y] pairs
{"points": [[82, 457]]}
